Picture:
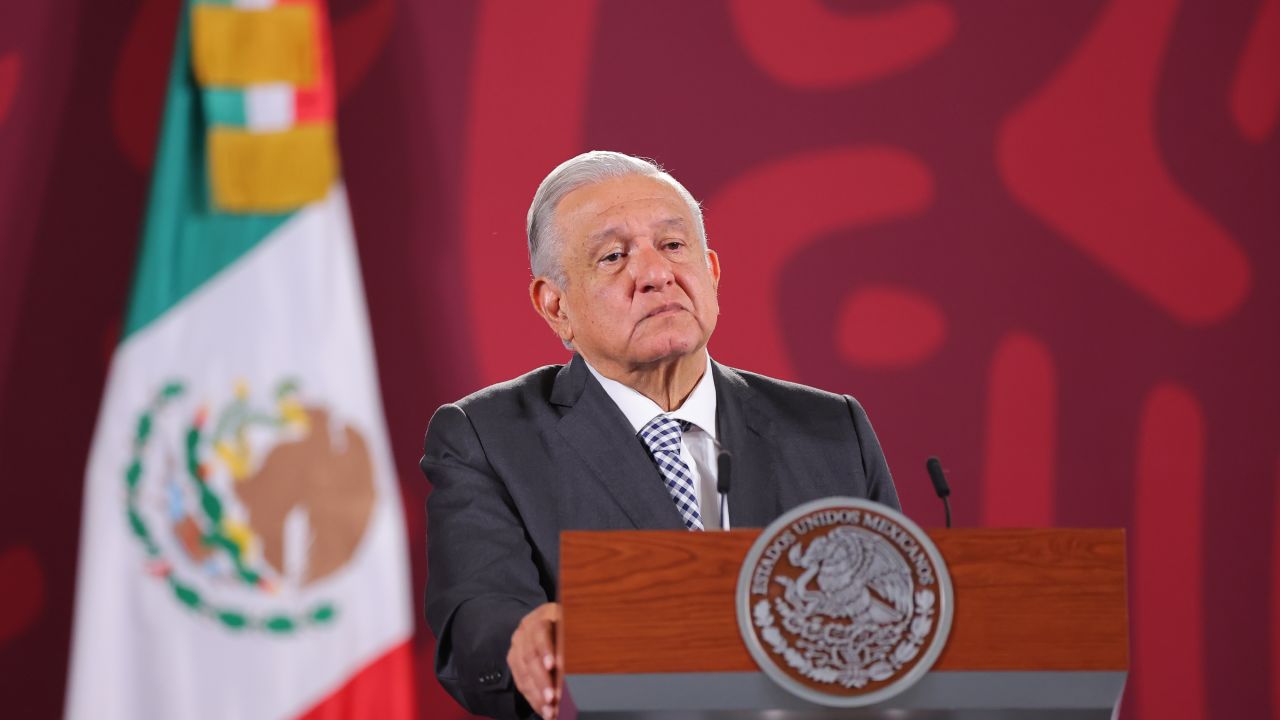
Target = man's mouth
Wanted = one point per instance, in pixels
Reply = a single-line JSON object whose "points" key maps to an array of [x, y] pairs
{"points": [[668, 309]]}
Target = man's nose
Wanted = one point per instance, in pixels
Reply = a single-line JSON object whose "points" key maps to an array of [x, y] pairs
{"points": [[652, 269]]}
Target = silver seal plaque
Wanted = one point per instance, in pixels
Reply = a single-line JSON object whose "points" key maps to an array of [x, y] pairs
{"points": [[844, 602]]}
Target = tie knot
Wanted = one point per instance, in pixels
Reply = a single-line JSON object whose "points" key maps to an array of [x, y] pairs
{"points": [[662, 434]]}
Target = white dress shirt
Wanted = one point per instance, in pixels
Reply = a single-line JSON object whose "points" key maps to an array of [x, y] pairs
{"points": [[699, 447]]}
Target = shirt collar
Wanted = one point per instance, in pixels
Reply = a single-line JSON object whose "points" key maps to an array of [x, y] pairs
{"points": [[699, 408]]}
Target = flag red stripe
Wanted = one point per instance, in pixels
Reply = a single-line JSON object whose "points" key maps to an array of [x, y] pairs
{"points": [[382, 690]]}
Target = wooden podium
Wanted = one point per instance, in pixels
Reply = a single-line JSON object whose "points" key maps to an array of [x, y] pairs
{"points": [[1040, 628]]}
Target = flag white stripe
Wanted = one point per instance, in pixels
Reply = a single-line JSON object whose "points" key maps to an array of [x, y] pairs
{"points": [[293, 306]]}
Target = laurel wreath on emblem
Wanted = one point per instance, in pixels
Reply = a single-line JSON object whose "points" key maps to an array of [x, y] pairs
{"points": [[217, 533], [860, 624]]}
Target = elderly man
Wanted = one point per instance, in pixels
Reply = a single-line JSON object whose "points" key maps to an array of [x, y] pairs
{"points": [[625, 435]]}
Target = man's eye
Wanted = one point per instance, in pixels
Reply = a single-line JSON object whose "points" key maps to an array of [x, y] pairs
{"points": [[673, 244], [612, 257]]}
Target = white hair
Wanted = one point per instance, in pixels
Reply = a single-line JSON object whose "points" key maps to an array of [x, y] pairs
{"points": [[545, 238]]}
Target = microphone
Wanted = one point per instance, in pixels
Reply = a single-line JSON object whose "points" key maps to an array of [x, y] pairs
{"points": [[723, 463], [939, 484]]}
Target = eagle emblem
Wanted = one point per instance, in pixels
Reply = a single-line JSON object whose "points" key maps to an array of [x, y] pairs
{"points": [[243, 507], [844, 601]]}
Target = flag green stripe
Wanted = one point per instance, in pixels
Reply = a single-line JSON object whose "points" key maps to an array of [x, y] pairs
{"points": [[185, 241], [224, 106]]}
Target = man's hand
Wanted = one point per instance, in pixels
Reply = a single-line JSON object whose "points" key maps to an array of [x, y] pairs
{"points": [[534, 661]]}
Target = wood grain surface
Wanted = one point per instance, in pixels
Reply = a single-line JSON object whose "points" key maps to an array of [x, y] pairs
{"points": [[663, 601]]}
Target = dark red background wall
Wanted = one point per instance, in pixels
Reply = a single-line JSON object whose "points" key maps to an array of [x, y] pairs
{"points": [[1037, 239]]}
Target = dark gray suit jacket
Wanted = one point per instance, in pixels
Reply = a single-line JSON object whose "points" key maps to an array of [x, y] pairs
{"points": [[514, 464]]}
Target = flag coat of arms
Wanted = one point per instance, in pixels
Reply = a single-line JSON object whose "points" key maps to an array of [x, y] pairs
{"points": [[242, 549]]}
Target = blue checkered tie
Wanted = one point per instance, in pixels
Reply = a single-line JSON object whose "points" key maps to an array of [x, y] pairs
{"points": [[662, 435]]}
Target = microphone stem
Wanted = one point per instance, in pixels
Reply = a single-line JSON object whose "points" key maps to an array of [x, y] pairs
{"points": [[946, 504]]}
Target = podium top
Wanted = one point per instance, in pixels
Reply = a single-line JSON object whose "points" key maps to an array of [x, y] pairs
{"points": [[663, 601]]}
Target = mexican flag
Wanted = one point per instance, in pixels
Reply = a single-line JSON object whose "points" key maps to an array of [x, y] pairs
{"points": [[242, 552]]}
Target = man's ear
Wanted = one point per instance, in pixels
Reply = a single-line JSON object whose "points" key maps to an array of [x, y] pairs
{"points": [[713, 266], [548, 302]]}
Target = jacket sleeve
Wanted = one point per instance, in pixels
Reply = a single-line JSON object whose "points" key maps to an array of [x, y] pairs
{"points": [[880, 486], [481, 575]]}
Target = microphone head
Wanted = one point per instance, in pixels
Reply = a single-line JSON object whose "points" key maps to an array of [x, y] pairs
{"points": [[939, 480], [723, 463]]}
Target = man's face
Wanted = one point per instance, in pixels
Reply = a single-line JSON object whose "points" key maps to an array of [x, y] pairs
{"points": [[640, 288]]}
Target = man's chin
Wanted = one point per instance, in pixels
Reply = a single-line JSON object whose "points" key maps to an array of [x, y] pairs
{"points": [[669, 350]]}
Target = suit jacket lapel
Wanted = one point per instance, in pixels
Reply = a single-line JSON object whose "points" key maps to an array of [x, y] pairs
{"points": [[746, 434], [599, 432]]}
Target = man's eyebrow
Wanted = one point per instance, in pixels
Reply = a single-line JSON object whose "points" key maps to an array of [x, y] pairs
{"points": [[613, 231], [600, 236], [672, 222]]}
